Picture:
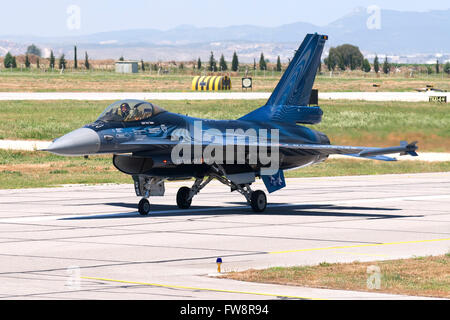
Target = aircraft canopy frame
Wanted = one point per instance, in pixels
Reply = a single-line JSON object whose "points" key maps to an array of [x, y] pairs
{"points": [[129, 111]]}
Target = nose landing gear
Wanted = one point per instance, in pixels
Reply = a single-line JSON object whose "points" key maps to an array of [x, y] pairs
{"points": [[144, 207]]}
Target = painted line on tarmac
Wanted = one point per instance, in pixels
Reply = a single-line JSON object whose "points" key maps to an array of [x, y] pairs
{"points": [[359, 246], [199, 289]]}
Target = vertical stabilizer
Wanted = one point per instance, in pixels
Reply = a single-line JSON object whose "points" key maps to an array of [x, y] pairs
{"points": [[294, 88]]}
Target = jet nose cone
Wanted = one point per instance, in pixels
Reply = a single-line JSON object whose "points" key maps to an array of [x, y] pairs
{"points": [[79, 142]]}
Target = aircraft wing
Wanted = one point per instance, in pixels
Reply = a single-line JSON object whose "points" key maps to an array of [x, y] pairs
{"points": [[325, 149], [360, 152]]}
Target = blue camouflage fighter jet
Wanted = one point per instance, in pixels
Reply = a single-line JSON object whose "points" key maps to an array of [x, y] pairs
{"points": [[154, 145]]}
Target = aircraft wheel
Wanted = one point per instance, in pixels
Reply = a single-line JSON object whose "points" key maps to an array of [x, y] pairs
{"points": [[144, 207], [182, 198], [258, 201]]}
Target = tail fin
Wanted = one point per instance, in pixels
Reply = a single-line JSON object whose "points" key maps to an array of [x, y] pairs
{"points": [[294, 88]]}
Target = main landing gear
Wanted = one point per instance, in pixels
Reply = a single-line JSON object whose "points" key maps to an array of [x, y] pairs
{"points": [[256, 199], [185, 194]]}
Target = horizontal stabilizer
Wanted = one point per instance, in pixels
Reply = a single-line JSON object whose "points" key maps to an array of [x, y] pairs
{"points": [[409, 148], [403, 149]]}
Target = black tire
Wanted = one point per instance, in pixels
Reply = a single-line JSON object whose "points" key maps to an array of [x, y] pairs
{"points": [[258, 201], [182, 198], [144, 207]]}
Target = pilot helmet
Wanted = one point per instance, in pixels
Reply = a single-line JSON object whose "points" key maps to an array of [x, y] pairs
{"points": [[125, 108]]}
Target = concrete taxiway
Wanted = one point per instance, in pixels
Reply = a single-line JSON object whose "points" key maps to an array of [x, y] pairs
{"points": [[89, 242]]}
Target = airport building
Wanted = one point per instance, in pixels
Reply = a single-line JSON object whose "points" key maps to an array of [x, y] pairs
{"points": [[127, 66]]}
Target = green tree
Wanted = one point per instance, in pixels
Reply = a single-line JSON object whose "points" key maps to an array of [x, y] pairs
{"points": [[86, 61], [34, 50], [333, 59], [429, 69], [341, 64], [75, 60], [62, 62], [366, 66], [376, 64], [52, 60], [262, 62], [386, 66], [37, 63], [199, 64], [344, 56], [223, 64], [212, 63], [142, 65], [8, 61], [254, 64], [437, 67], [278, 64], [121, 58], [351, 56], [447, 68], [235, 62], [27, 61]]}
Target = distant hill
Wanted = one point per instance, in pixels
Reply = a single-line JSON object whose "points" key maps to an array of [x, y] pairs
{"points": [[400, 33]]}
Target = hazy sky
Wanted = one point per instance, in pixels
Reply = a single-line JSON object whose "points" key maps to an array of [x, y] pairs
{"points": [[72, 17]]}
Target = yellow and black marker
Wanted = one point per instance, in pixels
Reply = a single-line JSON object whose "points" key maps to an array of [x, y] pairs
{"points": [[211, 83]]}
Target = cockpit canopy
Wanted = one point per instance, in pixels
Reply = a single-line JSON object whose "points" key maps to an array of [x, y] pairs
{"points": [[129, 110]]}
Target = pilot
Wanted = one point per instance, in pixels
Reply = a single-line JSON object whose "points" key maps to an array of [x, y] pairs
{"points": [[135, 115], [124, 110]]}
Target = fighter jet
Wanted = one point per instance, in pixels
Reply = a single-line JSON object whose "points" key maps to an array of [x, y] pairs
{"points": [[153, 145]]}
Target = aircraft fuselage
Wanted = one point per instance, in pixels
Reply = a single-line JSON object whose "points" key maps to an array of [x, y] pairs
{"points": [[122, 137]]}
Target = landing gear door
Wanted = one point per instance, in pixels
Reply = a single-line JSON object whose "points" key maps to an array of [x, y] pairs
{"points": [[148, 186]]}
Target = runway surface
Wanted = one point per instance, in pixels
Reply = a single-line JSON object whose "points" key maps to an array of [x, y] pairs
{"points": [[367, 96], [89, 242]]}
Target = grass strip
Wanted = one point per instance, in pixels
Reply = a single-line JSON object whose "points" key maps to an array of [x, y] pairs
{"points": [[418, 276]]}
